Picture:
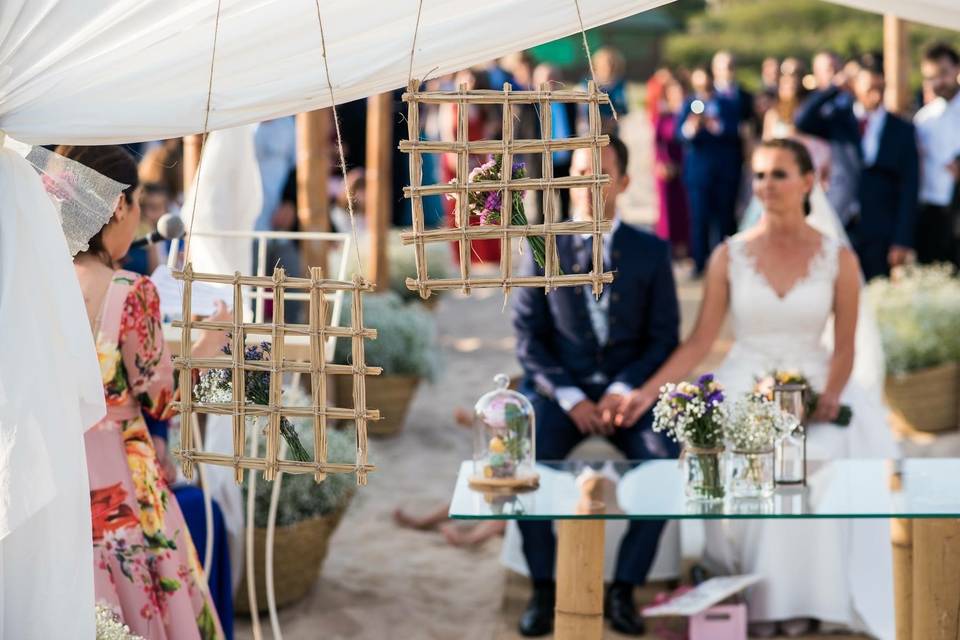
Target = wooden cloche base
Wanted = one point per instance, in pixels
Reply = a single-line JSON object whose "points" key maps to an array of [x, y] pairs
{"points": [[505, 485]]}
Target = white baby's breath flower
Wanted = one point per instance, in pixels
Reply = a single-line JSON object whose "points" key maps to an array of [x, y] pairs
{"points": [[110, 627], [752, 423], [685, 416], [918, 313]]}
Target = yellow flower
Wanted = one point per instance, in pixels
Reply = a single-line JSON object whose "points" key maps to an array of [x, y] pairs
{"points": [[496, 445], [487, 471], [789, 375], [109, 357], [150, 520], [687, 388]]}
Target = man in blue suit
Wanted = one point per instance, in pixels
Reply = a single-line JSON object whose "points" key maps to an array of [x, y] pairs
{"points": [[828, 113], [709, 127], [882, 233], [580, 357]]}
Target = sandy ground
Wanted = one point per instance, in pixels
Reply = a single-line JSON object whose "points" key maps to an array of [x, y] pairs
{"points": [[380, 581]]}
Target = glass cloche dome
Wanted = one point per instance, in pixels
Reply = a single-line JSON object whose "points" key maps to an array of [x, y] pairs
{"points": [[503, 439]]}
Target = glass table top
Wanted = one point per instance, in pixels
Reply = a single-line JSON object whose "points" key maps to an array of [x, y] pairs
{"points": [[909, 488]]}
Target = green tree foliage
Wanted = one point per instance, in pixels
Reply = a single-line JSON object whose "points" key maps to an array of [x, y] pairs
{"points": [[755, 29]]}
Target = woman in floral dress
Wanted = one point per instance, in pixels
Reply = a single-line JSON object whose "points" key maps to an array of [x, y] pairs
{"points": [[145, 565]]}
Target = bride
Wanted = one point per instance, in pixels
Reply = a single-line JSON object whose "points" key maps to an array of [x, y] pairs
{"points": [[784, 283]]}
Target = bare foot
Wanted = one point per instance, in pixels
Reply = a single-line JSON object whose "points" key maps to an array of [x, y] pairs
{"points": [[421, 523], [471, 535], [463, 417]]}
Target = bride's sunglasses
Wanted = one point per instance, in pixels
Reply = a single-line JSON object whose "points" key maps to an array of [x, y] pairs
{"points": [[776, 174]]}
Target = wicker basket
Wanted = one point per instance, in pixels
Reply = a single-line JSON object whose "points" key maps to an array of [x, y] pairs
{"points": [[390, 394], [299, 552], [925, 400]]}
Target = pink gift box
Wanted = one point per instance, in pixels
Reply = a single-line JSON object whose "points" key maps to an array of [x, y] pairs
{"points": [[722, 622]]}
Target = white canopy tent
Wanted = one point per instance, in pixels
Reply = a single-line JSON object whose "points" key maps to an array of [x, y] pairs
{"points": [[102, 71], [109, 71]]}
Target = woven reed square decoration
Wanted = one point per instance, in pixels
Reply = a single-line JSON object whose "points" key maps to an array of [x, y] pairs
{"points": [[237, 363], [506, 149]]}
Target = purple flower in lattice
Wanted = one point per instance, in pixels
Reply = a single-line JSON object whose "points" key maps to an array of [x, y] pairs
{"points": [[216, 385]]}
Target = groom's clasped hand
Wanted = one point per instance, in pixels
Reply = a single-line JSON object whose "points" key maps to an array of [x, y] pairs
{"points": [[611, 412]]}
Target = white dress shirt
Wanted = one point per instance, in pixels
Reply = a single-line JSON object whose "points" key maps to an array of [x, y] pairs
{"points": [[598, 312], [938, 133], [870, 142]]}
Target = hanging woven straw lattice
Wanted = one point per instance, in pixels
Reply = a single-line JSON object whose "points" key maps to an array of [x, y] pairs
{"points": [[318, 330], [506, 149]]}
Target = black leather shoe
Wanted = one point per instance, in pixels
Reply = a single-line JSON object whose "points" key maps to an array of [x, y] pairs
{"points": [[620, 609], [537, 620]]}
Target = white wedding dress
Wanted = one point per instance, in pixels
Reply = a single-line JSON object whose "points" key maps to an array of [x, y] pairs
{"points": [[838, 571]]}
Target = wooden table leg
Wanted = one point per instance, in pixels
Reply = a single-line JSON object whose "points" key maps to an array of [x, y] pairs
{"points": [[936, 579], [901, 535], [579, 612]]}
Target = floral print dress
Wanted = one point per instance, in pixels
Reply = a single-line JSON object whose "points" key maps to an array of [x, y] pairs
{"points": [[145, 565]]}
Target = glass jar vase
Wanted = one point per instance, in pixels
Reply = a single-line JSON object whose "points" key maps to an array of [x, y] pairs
{"points": [[703, 473], [750, 474]]}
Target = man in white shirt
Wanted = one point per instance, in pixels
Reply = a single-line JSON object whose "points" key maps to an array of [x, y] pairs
{"points": [[938, 132], [882, 230], [580, 357]]}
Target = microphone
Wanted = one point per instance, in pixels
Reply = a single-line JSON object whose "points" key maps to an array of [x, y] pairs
{"points": [[169, 227]]}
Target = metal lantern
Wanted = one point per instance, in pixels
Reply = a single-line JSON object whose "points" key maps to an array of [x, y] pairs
{"points": [[790, 453]]}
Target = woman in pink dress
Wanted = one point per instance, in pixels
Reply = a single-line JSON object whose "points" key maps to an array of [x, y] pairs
{"points": [[146, 568], [673, 224]]}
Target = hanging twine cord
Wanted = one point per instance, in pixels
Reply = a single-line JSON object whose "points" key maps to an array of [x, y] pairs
{"points": [[586, 47], [343, 161], [203, 139], [413, 47]]}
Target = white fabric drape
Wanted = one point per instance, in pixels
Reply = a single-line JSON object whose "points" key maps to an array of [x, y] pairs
{"points": [[100, 71], [230, 196], [50, 390]]}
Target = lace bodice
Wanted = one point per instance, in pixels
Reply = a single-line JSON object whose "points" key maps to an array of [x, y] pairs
{"points": [[774, 332]]}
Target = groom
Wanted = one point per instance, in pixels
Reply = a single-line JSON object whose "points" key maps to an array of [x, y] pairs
{"points": [[580, 358]]}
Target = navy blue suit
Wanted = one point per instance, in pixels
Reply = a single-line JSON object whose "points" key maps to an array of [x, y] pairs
{"points": [[828, 114], [889, 191], [557, 347], [712, 167]]}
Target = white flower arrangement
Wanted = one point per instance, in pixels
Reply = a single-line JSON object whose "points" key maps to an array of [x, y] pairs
{"points": [[406, 342], [752, 423], [301, 498], [918, 311], [691, 414], [110, 627]]}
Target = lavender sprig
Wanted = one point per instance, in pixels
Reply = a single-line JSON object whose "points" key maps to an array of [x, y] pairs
{"points": [[216, 385], [487, 205]]}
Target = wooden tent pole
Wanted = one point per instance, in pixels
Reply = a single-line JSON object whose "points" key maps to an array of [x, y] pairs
{"points": [[896, 63], [901, 535], [313, 172], [579, 606], [379, 174], [936, 579]]}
